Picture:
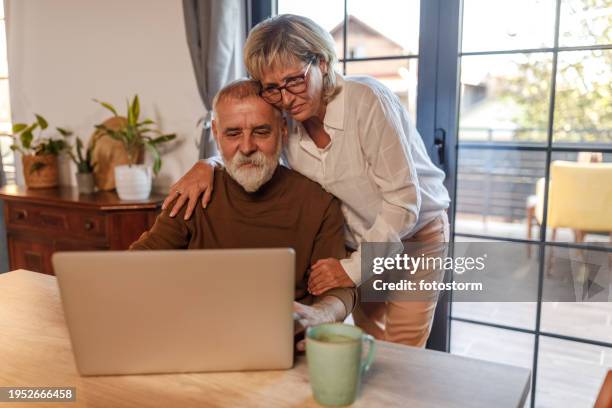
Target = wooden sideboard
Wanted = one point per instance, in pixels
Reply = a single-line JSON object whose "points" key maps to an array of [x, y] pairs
{"points": [[40, 222]]}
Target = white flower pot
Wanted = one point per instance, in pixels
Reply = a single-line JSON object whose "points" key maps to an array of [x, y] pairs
{"points": [[133, 182]]}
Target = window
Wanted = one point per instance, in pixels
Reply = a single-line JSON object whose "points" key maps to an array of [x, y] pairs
{"points": [[534, 95], [5, 109], [370, 40]]}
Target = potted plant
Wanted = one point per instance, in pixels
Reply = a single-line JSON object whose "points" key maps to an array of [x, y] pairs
{"points": [[39, 154], [85, 167], [133, 181]]}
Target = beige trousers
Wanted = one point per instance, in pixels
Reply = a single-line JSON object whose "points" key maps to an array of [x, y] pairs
{"points": [[407, 322]]}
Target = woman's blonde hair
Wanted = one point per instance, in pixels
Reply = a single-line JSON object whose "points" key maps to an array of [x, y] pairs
{"points": [[286, 38]]}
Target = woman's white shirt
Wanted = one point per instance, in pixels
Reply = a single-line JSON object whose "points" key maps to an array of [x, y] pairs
{"points": [[376, 164]]}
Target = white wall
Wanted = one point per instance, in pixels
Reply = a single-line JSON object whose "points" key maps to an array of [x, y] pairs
{"points": [[63, 53]]}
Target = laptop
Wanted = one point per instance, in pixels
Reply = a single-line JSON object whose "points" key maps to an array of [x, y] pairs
{"points": [[137, 312]]}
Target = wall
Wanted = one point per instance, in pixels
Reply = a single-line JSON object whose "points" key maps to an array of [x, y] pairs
{"points": [[63, 53]]}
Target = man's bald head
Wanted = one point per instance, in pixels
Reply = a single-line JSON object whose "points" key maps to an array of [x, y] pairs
{"points": [[239, 90]]}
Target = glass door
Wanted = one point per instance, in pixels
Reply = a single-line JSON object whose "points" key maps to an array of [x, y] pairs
{"points": [[534, 120]]}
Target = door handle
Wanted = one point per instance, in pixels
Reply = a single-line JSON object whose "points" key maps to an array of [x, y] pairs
{"points": [[439, 144]]}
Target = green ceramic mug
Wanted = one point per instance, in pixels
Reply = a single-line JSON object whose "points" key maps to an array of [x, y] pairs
{"points": [[335, 363]]}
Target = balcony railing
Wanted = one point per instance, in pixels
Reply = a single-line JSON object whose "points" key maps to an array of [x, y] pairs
{"points": [[601, 137], [497, 174]]}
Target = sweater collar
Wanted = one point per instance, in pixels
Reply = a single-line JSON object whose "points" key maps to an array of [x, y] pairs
{"points": [[269, 189]]}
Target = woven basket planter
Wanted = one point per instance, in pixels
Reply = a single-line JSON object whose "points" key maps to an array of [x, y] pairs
{"points": [[40, 171]]}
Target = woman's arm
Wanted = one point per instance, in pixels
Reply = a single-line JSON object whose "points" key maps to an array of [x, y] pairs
{"points": [[385, 135], [327, 248], [198, 180]]}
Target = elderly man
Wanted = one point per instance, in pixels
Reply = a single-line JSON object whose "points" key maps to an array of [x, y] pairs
{"points": [[261, 204]]}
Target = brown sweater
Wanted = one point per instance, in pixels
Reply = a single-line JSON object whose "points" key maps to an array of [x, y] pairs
{"points": [[289, 211]]}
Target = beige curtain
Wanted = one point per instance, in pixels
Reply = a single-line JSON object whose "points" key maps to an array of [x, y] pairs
{"points": [[216, 31]]}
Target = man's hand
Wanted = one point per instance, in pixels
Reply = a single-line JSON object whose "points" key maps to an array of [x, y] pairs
{"points": [[327, 274], [327, 310], [198, 180]]}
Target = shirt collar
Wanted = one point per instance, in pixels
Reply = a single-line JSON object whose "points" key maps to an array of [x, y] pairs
{"points": [[334, 113]]}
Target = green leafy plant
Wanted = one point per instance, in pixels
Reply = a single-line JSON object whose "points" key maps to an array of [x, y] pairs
{"points": [[25, 142], [582, 111], [135, 135], [84, 162]]}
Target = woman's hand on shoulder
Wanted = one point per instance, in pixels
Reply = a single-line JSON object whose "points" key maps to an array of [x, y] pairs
{"points": [[198, 181]]}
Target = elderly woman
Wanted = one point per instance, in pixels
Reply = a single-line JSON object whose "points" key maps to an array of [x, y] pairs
{"points": [[352, 136]]}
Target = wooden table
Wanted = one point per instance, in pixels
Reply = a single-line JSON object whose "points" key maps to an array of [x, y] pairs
{"points": [[35, 351]]}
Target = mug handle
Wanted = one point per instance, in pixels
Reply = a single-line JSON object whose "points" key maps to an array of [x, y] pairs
{"points": [[365, 365]]}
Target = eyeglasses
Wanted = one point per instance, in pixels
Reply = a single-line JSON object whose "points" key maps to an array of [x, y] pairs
{"points": [[296, 85]]}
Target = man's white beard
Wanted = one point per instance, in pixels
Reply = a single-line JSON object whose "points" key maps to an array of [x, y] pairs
{"points": [[253, 177]]}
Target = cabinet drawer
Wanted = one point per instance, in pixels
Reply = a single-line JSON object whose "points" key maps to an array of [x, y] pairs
{"points": [[70, 222], [33, 256], [24, 215]]}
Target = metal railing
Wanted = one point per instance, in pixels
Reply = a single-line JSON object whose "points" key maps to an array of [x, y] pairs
{"points": [[602, 136], [495, 179]]}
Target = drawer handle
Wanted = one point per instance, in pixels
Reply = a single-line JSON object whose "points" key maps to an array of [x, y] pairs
{"points": [[21, 215], [89, 225]]}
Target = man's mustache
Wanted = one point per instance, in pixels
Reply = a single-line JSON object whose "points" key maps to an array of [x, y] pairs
{"points": [[256, 159]]}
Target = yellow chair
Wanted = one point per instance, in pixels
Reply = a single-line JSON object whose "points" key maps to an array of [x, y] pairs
{"points": [[579, 197]]}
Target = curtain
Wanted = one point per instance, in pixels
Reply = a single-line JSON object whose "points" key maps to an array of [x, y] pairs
{"points": [[216, 31], [3, 247]]}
